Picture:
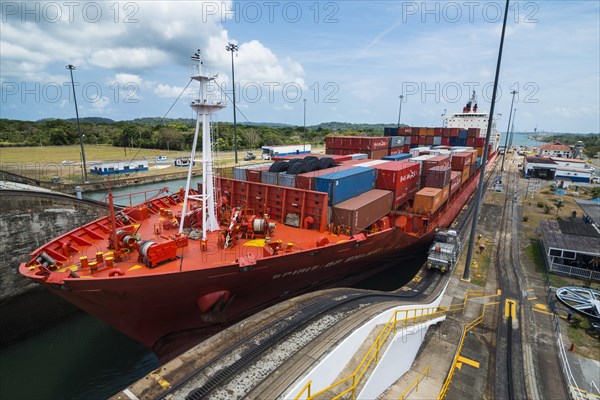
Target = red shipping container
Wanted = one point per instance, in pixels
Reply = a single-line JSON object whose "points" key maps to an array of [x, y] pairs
{"points": [[445, 141], [437, 131], [376, 154], [253, 175], [414, 131], [455, 181], [471, 141], [422, 140], [405, 131], [461, 161], [453, 132], [346, 152], [473, 132], [437, 161], [429, 140], [374, 143], [479, 142], [329, 142], [396, 150], [330, 151], [438, 177], [446, 132], [400, 177], [406, 148]]}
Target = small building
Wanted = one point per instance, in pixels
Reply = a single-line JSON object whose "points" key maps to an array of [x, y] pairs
{"points": [[183, 162], [119, 167], [572, 247], [539, 167], [555, 149]]}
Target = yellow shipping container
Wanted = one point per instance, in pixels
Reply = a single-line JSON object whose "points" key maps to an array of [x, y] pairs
{"points": [[465, 174]]}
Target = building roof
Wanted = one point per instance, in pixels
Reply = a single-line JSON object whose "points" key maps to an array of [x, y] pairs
{"points": [[572, 236], [539, 160], [572, 160], [591, 209], [556, 146]]}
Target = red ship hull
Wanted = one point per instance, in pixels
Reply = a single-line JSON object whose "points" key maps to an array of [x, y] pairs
{"points": [[150, 307]]}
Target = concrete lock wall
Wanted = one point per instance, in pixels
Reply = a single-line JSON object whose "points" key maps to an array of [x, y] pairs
{"points": [[27, 221]]}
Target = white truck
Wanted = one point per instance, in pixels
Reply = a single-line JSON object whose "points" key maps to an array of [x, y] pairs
{"points": [[445, 250], [270, 151]]}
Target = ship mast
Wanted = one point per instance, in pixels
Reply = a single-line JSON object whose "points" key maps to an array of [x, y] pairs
{"points": [[204, 107]]}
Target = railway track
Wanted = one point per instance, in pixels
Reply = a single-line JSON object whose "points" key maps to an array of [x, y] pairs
{"points": [[509, 360]]}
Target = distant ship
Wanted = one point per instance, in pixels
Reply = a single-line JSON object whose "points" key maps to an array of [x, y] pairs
{"points": [[196, 258]]}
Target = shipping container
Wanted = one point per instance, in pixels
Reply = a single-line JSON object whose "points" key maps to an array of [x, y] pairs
{"points": [[306, 180], [437, 140], [461, 161], [429, 140], [240, 172], [404, 131], [455, 181], [414, 131], [463, 134], [270, 178], [465, 174], [358, 156], [343, 185], [437, 132], [377, 154], [330, 151], [397, 157], [254, 175], [436, 161], [406, 148], [445, 193], [396, 141], [438, 177], [445, 141], [358, 213], [372, 143], [408, 140], [473, 132], [330, 142], [445, 132], [427, 200], [479, 142], [473, 154], [288, 180], [470, 141], [453, 132], [402, 178], [394, 151], [453, 141], [390, 131], [370, 163]]}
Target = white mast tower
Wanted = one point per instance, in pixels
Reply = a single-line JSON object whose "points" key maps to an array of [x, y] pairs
{"points": [[204, 107]]}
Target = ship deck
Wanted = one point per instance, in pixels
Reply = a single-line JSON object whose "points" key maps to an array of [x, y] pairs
{"points": [[149, 244]]}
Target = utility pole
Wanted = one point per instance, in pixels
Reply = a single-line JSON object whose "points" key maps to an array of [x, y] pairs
{"points": [[466, 276], [84, 167], [233, 48], [400, 109], [304, 130], [507, 130]]}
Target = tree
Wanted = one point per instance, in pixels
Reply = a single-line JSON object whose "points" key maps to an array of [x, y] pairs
{"points": [[558, 203]]}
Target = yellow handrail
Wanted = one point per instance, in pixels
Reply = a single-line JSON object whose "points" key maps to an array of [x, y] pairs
{"points": [[413, 315], [415, 384]]}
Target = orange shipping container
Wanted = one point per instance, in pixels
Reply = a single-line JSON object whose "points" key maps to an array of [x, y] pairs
{"points": [[445, 193], [465, 174], [427, 200], [473, 155]]}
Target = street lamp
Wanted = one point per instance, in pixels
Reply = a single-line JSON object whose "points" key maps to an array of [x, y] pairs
{"points": [[233, 48], [71, 68], [304, 130], [508, 129], [400, 109]]}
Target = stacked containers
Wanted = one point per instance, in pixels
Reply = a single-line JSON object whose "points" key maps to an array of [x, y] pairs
{"points": [[455, 181], [438, 177], [363, 210], [306, 180], [435, 161], [402, 178], [343, 185], [254, 175], [397, 157], [396, 141], [427, 200], [462, 162]]}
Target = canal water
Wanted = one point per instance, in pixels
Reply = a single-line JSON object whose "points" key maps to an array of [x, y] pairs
{"points": [[83, 358]]}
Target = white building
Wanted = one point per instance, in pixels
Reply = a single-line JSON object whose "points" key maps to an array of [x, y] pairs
{"points": [[555, 149]]}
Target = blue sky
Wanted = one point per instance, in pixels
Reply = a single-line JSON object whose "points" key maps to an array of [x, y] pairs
{"points": [[349, 59]]}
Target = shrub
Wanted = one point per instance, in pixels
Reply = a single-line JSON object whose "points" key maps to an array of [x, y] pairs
{"points": [[525, 218], [540, 204]]}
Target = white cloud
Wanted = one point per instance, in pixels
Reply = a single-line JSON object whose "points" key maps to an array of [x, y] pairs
{"points": [[132, 59], [162, 90]]}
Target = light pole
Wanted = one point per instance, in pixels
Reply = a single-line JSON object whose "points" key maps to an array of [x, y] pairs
{"points": [[508, 129], [71, 68], [233, 48], [400, 109], [466, 275], [512, 128], [304, 130]]}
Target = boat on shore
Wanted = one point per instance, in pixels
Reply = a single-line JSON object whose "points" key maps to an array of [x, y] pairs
{"points": [[198, 258]]}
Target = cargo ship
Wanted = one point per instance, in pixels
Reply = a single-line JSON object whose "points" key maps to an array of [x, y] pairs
{"points": [[197, 258]]}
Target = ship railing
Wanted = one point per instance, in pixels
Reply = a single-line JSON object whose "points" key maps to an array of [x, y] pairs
{"points": [[575, 271], [399, 320]]}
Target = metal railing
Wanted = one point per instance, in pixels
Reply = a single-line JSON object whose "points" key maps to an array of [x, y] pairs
{"points": [[575, 271], [413, 316], [415, 384], [470, 326]]}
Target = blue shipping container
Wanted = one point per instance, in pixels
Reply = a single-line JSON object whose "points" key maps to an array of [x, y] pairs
{"points": [[343, 185], [396, 157], [453, 141], [390, 131], [462, 134]]}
